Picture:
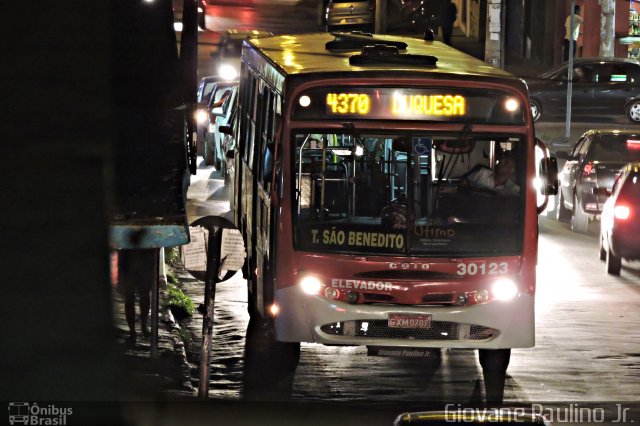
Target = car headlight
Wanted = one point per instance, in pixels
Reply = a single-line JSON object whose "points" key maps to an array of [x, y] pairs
{"points": [[201, 116], [227, 72]]}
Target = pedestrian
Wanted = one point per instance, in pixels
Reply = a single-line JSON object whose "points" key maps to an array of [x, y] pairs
{"points": [[449, 14], [568, 37], [134, 276]]}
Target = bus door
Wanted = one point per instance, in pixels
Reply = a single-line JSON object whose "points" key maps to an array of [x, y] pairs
{"points": [[264, 217]]}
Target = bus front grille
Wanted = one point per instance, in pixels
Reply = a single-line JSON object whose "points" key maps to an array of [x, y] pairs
{"points": [[379, 329]]}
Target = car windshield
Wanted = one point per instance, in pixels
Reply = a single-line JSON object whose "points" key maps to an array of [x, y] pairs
{"points": [[616, 148], [421, 194]]}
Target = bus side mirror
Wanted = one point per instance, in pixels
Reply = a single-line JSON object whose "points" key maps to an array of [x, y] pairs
{"points": [[549, 167], [267, 166]]}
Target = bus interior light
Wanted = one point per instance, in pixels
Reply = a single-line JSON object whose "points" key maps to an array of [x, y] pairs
{"points": [[311, 285], [359, 151], [305, 101], [511, 105], [504, 289]]}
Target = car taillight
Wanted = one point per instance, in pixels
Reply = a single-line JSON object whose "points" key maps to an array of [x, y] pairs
{"points": [[589, 172], [621, 212]]}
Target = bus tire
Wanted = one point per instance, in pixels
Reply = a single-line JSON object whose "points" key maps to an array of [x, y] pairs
{"points": [[562, 213], [579, 219], [269, 365], [614, 263], [494, 360]]}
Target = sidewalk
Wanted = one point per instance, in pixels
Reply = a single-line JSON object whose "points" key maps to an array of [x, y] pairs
{"points": [[146, 378]]}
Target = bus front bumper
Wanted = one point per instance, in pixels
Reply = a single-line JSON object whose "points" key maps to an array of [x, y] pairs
{"points": [[494, 325]]}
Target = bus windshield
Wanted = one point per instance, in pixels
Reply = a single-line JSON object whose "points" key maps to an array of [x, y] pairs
{"points": [[424, 194]]}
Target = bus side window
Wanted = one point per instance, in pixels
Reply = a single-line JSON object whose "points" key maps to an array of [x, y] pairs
{"points": [[267, 135]]}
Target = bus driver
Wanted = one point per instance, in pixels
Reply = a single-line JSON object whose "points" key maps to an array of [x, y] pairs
{"points": [[501, 180]]}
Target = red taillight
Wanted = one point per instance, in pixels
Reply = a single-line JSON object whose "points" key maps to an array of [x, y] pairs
{"points": [[621, 212], [633, 144], [589, 172]]}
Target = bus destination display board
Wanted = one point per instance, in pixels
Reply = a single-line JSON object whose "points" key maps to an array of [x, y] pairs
{"points": [[389, 103]]}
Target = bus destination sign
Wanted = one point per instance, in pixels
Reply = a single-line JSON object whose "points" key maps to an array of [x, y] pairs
{"points": [[400, 105], [392, 103]]}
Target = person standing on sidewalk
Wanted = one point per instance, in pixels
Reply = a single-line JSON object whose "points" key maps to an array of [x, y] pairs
{"points": [[134, 277], [449, 14], [577, 20]]}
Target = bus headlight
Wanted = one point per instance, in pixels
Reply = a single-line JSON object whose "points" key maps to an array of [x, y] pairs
{"points": [[511, 105], [504, 289], [311, 285]]}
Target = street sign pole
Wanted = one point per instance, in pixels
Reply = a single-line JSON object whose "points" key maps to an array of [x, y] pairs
{"points": [[567, 124], [215, 252]]}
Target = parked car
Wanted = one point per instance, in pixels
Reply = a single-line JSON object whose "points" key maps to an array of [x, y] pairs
{"points": [[206, 88], [220, 108], [595, 162], [620, 225], [351, 14], [601, 86]]}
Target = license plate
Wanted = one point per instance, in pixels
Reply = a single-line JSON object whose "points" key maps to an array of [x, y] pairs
{"points": [[409, 320]]}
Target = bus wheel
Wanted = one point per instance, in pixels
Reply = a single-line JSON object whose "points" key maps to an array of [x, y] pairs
{"points": [[494, 360], [562, 213], [579, 219], [269, 365], [494, 364]]}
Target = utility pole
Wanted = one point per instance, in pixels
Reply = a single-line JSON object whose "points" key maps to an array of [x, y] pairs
{"points": [[494, 44], [567, 123], [381, 17], [607, 27]]}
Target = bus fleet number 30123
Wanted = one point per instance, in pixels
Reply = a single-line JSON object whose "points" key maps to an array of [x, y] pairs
{"points": [[492, 268]]}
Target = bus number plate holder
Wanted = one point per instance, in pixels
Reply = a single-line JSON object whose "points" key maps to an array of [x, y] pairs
{"points": [[409, 321]]}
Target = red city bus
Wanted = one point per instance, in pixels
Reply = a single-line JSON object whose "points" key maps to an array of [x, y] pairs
{"points": [[371, 193]]}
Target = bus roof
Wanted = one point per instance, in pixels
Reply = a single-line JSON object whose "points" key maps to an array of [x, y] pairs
{"points": [[306, 53]]}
